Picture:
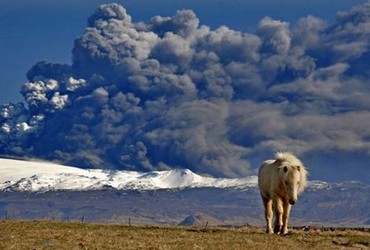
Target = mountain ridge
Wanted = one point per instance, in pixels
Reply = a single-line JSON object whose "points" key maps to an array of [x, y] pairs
{"points": [[31, 176]]}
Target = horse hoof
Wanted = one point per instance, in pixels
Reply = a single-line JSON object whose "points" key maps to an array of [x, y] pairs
{"points": [[277, 229], [284, 232]]}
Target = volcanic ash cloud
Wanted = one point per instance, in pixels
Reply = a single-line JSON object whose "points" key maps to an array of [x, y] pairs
{"points": [[172, 93]]}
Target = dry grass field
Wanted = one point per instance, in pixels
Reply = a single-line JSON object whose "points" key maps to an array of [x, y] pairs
{"points": [[58, 235]]}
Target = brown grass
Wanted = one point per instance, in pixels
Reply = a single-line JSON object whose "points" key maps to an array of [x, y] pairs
{"points": [[56, 235]]}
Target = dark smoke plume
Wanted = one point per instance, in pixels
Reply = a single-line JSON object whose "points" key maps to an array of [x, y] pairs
{"points": [[172, 93]]}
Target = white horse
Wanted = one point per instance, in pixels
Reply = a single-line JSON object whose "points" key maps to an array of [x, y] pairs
{"points": [[280, 181]]}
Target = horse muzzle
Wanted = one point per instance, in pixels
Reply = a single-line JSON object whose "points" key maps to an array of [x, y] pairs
{"points": [[292, 202]]}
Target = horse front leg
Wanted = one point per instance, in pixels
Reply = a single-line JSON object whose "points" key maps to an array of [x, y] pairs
{"points": [[278, 207], [286, 214], [267, 203]]}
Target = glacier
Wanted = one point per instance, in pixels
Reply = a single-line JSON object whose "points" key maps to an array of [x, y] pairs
{"points": [[34, 176]]}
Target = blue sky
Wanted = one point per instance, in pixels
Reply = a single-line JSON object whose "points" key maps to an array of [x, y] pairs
{"points": [[36, 30], [213, 86]]}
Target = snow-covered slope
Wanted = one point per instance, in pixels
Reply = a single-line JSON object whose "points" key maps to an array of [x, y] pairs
{"points": [[40, 176], [18, 175]]}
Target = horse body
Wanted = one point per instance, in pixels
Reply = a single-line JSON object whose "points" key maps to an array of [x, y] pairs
{"points": [[280, 181]]}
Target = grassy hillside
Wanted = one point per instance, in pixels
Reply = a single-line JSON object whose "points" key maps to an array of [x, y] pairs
{"points": [[55, 235]]}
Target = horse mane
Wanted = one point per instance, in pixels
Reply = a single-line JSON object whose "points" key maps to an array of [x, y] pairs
{"points": [[287, 156], [293, 160]]}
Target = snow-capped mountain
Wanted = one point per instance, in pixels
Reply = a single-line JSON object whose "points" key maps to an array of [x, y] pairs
{"points": [[19, 175], [16, 175]]}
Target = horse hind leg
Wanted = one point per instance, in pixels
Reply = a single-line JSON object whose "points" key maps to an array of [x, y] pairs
{"points": [[268, 214]]}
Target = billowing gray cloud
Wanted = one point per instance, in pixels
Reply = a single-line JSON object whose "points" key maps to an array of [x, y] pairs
{"points": [[173, 93]]}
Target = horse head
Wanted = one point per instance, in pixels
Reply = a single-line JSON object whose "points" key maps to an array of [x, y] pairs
{"points": [[291, 180]]}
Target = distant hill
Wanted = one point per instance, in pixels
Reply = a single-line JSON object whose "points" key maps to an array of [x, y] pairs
{"points": [[200, 219], [335, 206]]}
